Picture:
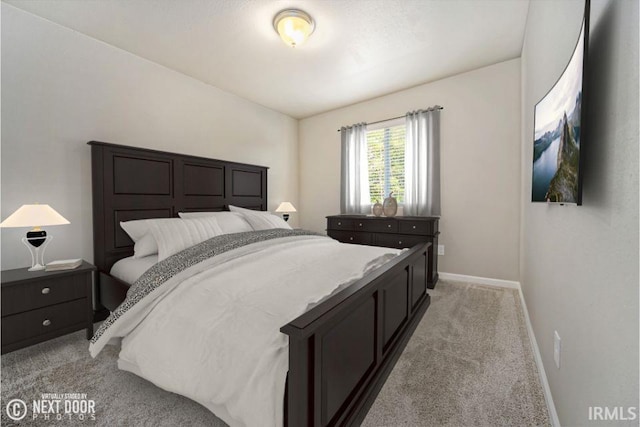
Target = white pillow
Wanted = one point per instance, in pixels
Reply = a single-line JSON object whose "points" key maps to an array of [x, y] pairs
{"points": [[229, 222], [175, 236], [145, 246], [261, 220], [138, 230]]}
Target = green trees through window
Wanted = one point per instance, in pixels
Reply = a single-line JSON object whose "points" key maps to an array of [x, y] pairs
{"points": [[385, 154]]}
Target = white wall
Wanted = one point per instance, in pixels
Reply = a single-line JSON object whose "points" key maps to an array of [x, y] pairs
{"points": [[480, 166], [61, 89], [579, 265]]}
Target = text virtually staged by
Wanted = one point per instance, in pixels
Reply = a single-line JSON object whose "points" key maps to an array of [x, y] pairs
{"points": [[320, 213]]}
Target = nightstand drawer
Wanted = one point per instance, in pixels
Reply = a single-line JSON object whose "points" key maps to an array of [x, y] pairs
{"points": [[41, 293], [43, 321]]}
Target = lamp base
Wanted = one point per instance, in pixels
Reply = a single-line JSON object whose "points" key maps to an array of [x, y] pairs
{"points": [[37, 252], [285, 216], [36, 237], [37, 267]]}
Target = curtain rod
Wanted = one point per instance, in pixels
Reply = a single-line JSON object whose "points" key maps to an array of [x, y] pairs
{"points": [[437, 107]]}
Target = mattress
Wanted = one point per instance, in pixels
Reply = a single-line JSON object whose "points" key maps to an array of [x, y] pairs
{"points": [[130, 269]]}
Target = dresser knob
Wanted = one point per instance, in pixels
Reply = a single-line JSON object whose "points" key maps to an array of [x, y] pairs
{"points": [[389, 225], [46, 322], [45, 291], [360, 225], [339, 223], [350, 238], [400, 242], [414, 227]]}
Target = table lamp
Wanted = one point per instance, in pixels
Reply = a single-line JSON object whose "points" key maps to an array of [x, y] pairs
{"points": [[286, 208], [35, 216]]}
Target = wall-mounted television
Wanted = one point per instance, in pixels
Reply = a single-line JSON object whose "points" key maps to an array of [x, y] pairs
{"points": [[558, 138]]}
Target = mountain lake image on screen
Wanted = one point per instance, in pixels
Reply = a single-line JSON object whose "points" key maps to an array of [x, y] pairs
{"points": [[557, 135]]}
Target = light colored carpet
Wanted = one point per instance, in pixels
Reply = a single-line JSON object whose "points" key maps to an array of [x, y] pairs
{"points": [[468, 363]]}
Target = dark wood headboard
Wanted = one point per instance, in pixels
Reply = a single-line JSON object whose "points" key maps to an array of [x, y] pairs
{"points": [[136, 183]]}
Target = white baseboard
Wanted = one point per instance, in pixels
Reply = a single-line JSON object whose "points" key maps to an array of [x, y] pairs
{"points": [[480, 280], [553, 415]]}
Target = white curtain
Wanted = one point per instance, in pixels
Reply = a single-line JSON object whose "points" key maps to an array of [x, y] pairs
{"points": [[354, 195], [422, 163]]}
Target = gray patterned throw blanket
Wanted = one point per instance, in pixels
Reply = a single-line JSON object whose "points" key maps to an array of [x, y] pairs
{"points": [[175, 264]]}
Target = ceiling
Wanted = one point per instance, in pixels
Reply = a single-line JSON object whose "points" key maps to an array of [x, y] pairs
{"points": [[360, 49]]}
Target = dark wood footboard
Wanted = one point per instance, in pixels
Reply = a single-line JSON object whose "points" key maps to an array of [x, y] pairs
{"points": [[342, 351]]}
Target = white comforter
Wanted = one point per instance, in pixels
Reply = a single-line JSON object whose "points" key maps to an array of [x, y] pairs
{"points": [[211, 333]]}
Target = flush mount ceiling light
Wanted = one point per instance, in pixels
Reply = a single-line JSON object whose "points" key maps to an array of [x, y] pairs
{"points": [[294, 26]]}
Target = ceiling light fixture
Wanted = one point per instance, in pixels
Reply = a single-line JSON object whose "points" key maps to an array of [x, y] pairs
{"points": [[294, 26]]}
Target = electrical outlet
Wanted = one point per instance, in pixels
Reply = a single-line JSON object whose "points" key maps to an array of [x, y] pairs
{"points": [[440, 249], [557, 344]]}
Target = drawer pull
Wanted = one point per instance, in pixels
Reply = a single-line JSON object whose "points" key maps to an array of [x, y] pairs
{"points": [[46, 322], [400, 242], [360, 225], [45, 291], [350, 238], [389, 225], [339, 223], [414, 227]]}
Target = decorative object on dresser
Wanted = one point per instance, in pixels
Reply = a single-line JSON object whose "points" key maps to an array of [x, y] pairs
{"points": [[38, 306], [396, 232], [377, 209], [390, 206], [35, 216], [286, 208]]}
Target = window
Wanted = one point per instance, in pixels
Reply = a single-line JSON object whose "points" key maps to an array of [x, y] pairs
{"points": [[373, 163], [385, 155]]}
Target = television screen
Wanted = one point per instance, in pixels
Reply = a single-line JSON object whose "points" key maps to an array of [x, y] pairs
{"points": [[558, 133]]}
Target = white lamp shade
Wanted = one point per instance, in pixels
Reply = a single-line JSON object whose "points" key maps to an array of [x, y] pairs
{"points": [[34, 216], [286, 207]]}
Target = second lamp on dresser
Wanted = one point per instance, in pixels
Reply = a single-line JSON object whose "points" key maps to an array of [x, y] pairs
{"points": [[396, 232]]}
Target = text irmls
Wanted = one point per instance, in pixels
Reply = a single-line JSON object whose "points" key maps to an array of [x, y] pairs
{"points": [[615, 413]]}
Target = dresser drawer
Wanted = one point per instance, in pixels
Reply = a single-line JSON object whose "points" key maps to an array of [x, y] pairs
{"points": [[28, 296], [399, 241], [417, 227], [340, 224], [44, 321], [352, 237], [381, 225]]}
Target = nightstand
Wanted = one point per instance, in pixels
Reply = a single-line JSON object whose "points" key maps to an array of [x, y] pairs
{"points": [[40, 305]]}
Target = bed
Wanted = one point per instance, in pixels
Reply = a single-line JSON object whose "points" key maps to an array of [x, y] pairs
{"points": [[340, 351]]}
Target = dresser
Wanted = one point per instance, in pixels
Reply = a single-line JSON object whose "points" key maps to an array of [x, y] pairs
{"points": [[40, 305], [396, 232]]}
